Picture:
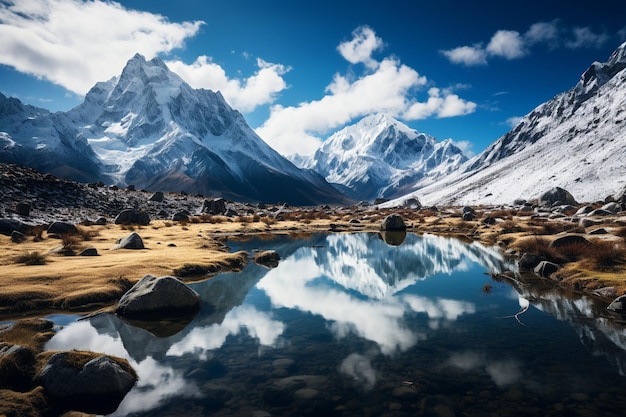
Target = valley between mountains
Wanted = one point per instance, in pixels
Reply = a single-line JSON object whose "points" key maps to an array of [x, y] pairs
{"points": [[147, 131]]}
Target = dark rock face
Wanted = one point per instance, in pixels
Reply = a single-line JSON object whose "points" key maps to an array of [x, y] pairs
{"points": [[268, 258], [133, 217], [97, 387], [158, 197], [8, 226], [132, 241], [23, 209], [215, 206], [181, 216], [158, 296], [557, 195], [393, 222]]}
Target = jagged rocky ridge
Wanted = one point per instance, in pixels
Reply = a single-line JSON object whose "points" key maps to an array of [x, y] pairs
{"points": [[379, 157], [150, 129], [574, 141]]}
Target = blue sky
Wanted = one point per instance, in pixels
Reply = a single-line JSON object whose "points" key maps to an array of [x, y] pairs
{"points": [[300, 70]]}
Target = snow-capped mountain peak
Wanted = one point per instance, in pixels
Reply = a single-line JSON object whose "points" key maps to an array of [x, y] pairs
{"points": [[382, 157], [574, 141], [149, 128]]}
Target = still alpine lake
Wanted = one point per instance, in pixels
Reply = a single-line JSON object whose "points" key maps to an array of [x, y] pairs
{"points": [[350, 325]]}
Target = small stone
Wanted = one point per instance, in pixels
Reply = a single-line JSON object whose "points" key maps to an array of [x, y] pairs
{"points": [[17, 237], [89, 252]]}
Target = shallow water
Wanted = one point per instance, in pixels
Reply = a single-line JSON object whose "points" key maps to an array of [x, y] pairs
{"points": [[349, 325]]}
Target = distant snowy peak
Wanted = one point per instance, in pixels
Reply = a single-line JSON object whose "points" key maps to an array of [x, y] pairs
{"points": [[380, 157]]}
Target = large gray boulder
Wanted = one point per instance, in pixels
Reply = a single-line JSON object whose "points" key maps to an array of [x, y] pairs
{"points": [[97, 387], [393, 222], [132, 241], [133, 217], [557, 195], [161, 296], [62, 228]]}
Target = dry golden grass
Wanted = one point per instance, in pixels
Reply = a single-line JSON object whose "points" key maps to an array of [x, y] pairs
{"points": [[23, 404], [29, 333], [88, 281]]}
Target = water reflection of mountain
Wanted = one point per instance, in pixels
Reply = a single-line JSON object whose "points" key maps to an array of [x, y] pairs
{"points": [[599, 333], [365, 263]]}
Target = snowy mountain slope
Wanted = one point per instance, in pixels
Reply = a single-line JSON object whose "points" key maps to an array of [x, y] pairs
{"points": [[45, 141], [381, 157], [574, 141], [149, 128]]}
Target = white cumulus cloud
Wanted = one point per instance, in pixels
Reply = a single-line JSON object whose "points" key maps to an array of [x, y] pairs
{"points": [[75, 43], [511, 44], [507, 44], [386, 86], [361, 47], [244, 95], [467, 55]]}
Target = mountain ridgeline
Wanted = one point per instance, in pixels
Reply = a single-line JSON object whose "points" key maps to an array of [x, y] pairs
{"points": [[149, 128], [575, 141]]}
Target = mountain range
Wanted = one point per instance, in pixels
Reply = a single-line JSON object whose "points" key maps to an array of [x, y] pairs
{"points": [[149, 128], [574, 141]]}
